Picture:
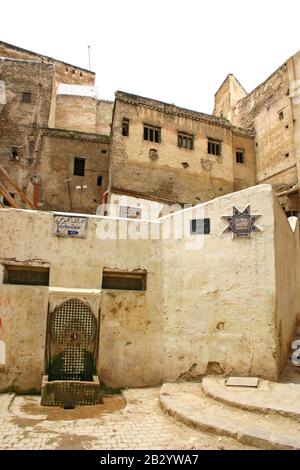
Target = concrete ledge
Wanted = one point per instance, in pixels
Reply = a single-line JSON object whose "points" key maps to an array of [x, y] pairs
{"points": [[270, 397], [188, 404]]}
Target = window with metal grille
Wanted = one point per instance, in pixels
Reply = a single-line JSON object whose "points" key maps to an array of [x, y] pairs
{"points": [[79, 164], [26, 97], [152, 133], [240, 156], [200, 226], [125, 127], [124, 281], [185, 141], [26, 275], [214, 147]]}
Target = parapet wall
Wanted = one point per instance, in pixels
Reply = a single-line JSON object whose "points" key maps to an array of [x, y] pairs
{"points": [[212, 302]]}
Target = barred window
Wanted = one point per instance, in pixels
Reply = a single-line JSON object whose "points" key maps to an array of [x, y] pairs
{"points": [[26, 97], [214, 147], [79, 165], [185, 141], [152, 134]]}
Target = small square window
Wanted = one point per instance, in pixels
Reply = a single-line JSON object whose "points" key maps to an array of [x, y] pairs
{"points": [[185, 141], [14, 153], [240, 156], [26, 97], [125, 127], [79, 165], [152, 134], [200, 226], [214, 147], [99, 181]]}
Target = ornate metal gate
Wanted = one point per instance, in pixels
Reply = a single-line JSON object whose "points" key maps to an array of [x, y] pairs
{"points": [[72, 340]]}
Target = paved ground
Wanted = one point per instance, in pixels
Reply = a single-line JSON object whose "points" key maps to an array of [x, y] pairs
{"points": [[141, 424]]}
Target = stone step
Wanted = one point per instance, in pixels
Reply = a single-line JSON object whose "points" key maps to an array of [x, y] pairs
{"points": [[5, 402], [268, 397], [188, 403]]}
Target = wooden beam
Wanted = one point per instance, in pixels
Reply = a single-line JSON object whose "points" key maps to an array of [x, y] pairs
{"points": [[7, 196], [16, 187]]}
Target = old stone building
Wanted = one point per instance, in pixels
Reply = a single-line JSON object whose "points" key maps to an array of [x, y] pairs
{"points": [[69, 150], [54, 139], [271, 111]]}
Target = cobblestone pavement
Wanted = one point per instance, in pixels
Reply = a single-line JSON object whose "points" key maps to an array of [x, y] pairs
{"points": [[141, 424]]}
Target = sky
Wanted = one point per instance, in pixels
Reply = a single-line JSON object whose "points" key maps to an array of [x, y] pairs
{"points": [[174, 51]]}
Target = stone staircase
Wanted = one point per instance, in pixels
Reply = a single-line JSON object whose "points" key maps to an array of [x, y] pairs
{"points": [[267, 417]]}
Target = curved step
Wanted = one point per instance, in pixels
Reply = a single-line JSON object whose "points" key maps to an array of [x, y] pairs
{"points": [[270, 397], [188, 403]]}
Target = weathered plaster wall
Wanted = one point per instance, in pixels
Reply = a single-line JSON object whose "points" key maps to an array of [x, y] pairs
{"points": [[84, 114], [194, 318], [287, 281], [23, 312], [220, 310], [104, 117], [76, 113], [204, 177]]}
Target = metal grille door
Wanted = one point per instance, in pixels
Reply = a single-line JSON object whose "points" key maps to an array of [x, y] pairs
{"points": [[72, 342]]}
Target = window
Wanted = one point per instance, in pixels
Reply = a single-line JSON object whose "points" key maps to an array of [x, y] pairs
{"points": [[152, 133], [125, 127], [200, 226], [240, 156], [14, 153], [26, 275], [79, 164], [214, 147], [185, 141], [99, 181], [26, 97], [124, 280], [280, 114]]}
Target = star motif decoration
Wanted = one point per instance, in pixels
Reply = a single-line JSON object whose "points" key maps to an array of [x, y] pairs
{"points": [[241, 223]]}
